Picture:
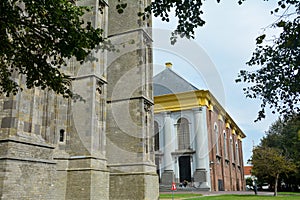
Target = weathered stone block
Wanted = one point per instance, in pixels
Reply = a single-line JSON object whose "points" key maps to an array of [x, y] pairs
{"points": [[26, 171], [200, 175], [10, 104], [8, 122], [131, 186], [167, 178]]}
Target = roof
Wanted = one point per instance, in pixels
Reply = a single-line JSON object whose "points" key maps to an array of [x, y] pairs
{"points": [[247, 170], [174, 93], [169, 82]]}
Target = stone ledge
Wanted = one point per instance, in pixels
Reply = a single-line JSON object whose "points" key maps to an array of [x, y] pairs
{"points": [[143, 30], [28, 160], [133, 173], [148, 100], [27, 143], [131, 164], [85, 169], [80, 158]]}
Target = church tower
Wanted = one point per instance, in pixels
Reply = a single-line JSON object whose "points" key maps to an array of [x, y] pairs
{"points": [[27, 142], [97, 147], [130, 105], [81, 159], [52, 147]]}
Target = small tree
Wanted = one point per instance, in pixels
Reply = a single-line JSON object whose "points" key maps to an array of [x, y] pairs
{"points": [[269, 163], [283, 134], [249, 181]]}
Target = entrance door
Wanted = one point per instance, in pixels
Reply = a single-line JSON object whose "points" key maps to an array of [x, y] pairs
{"points": [[220, 185], [185, 168]]}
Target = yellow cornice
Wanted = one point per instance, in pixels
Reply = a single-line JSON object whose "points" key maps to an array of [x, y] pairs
{"points": [[233, 131], [232, 125], [239, 137], [220, 117], [194, 99], [227, 125], [181, 101]]}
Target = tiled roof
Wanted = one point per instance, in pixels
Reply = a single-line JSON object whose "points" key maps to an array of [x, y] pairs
{"points": [[247, 170], [169, 82]]}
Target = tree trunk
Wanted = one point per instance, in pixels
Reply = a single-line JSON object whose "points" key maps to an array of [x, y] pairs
{"points": [[276, 184]]}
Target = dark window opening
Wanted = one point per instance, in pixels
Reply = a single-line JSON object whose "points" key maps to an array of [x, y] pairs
{"points": [[62, 135], [156, 136]]}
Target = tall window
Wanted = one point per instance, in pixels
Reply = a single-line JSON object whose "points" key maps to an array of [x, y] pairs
{"points": [[156, 136], [217, 138], [61, 135], [183, 134], [237, 153], [231, 149], [225, 145]]}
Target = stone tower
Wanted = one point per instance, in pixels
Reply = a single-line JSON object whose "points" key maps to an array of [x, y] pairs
{"points": [[81, 161], [130, 105], [27, 137], [98, 148], [54, 148]]}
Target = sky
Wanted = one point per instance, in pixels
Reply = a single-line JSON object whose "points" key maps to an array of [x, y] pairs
{"points": [[214, 58]]}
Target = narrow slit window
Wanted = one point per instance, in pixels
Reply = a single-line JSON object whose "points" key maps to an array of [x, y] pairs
{"points": [[62, 135]]}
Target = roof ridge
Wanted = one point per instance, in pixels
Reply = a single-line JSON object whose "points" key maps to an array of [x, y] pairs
{"points": [[179, 76]]}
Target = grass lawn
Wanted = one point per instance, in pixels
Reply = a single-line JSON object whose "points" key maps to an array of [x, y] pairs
{"points": [[289, 193], [228, 197], [247, 197], [178, 196]]}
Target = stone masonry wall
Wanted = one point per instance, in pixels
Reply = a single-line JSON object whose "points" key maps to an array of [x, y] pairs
{"points": [[26, 171]]}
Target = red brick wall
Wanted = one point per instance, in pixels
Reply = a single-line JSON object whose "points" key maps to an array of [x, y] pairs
{"points": [[226, 170]]}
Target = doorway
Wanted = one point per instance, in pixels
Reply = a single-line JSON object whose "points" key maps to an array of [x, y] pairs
{"points": [[220, 185], [185, 168]]}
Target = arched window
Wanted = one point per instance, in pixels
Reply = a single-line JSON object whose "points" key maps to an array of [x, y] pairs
{"points": [[156, 136], [217, 138], [183, 134], [225, 145]]}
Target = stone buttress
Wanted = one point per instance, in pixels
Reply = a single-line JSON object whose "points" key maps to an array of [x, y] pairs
{"points": [[81, 161], [130, 105]]}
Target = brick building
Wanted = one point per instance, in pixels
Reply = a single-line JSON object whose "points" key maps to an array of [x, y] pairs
{"points": [[247, 171], [196, 140]]}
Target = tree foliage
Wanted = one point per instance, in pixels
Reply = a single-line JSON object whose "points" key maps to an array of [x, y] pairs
{"points": [[249, 181], [276, 82], [269, 164], [37, 38], [281, 144], [285, 135], [187, 12]]}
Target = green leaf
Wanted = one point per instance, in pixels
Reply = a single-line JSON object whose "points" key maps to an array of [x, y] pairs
{"points": [[260, 39]]}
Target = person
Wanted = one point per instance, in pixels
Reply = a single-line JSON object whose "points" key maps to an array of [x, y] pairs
{"points": [[185, 183], [254, 187]]}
